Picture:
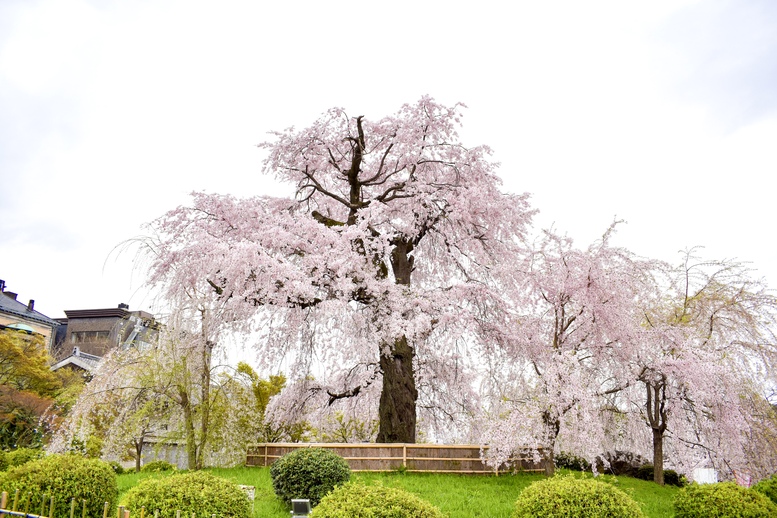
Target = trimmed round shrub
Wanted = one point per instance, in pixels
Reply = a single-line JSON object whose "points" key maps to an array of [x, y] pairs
{"points": [[570, 497], [193, 492], [3, 461], [64, 477], [21, 456], [308, 473], [768, 487], [722, 500], [155, 466], [362, 501]]}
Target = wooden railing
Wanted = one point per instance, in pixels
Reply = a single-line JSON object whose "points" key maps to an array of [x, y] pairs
{"points": [[417, 458]]}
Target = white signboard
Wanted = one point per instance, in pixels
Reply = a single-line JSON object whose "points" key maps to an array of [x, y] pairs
{"points": [[705, 476]]}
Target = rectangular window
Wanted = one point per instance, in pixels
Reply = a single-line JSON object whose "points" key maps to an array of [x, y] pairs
{"points": [[86, 337]]}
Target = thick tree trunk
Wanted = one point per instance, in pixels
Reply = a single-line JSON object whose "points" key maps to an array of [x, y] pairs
{"points": [[655, 405], [195, 451], [138, 453], [658, 456], [207, 349], [397, 407], [396, 410], [191, 440], [553, 427], [549, 462]]}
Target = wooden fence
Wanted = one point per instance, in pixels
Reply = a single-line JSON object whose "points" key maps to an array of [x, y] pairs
{"points": [[417, 458], [20, 507]]}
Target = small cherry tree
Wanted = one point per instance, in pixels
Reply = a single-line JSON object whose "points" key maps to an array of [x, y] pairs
{"points": [[707, 349], [117, 410], [166, 391], [571, 339], [389, 261]]}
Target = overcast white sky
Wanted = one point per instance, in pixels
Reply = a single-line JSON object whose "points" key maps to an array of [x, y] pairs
{"points": [[663, 113]]}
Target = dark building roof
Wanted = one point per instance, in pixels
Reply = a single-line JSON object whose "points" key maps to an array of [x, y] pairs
{"points": [[11, 306], [119, 312]]}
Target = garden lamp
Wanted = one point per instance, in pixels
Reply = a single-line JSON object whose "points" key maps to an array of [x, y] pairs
{"points": [[300, 507]]}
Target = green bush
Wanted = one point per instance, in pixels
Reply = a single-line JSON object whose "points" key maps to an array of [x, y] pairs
{"points": [[22, 456], [722, 500], [155, 466], [645, 472], [671, 477], [193, 492], [621, 463], [64, 477], [570, 497], [352, 500], [3, 461], [308, 473], [571, 461], [116, 467], [768, 487]]}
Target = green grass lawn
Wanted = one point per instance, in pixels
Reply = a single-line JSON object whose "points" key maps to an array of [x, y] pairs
{"points": [[459, 496]]}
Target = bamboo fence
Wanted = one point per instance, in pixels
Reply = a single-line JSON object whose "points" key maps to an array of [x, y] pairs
{"points": [[16, 506], [416, 458]]}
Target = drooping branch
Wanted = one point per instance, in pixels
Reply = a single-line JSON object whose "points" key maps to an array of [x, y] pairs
{"points": [[326, 221], [320, 188], [341, 395]]}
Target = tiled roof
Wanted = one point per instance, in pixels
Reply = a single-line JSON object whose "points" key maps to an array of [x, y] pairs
{"points": [[12, 306], [88, 362]]}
